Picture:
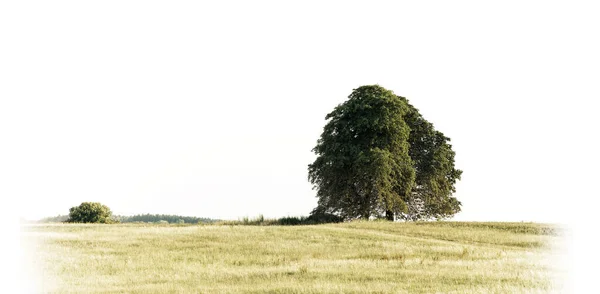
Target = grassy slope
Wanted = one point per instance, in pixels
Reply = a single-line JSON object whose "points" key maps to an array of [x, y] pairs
{"points": [[361, 257]]}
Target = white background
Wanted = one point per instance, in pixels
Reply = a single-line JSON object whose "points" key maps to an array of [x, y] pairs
{"points": [[211, 110]]}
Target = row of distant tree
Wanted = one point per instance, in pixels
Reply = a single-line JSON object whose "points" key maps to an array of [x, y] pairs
{"points": [[172, 219], [146, 218], [54, 219], [94, 212]]}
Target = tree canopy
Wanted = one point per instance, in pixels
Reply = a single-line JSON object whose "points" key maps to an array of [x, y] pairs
{"points": [[90, 212], [378, 157]]}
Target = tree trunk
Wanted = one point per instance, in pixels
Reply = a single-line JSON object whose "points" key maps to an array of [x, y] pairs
{"points": [[389, 215]]}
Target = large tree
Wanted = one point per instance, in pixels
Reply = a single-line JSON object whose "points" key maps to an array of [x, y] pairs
{"points": [[363, 168], [378, 157]]}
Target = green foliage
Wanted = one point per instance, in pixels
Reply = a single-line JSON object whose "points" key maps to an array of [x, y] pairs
{"points": [[172, 219], [436, 175], [90, 212], [378, 157], [291, 221], [318, 216], [313, 219], [54, 219], [246, 221]]}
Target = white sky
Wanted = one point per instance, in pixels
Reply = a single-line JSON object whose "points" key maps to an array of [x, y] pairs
{"points": [[212, 110]]}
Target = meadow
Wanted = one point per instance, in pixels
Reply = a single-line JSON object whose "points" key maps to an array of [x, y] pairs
{"points": [[353, 257]]}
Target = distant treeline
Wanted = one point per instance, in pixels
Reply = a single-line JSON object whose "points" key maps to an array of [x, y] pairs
{"points": [[314, 218], [172, 219], [146, 218], [54, 219]]}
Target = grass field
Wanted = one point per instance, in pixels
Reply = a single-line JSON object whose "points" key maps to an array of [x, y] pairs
{"points": [[356, 257]]}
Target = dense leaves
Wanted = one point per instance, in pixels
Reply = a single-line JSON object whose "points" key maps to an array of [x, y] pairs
{"points": [[363, 168], [436, 175], [378, 157], [90, 212]]}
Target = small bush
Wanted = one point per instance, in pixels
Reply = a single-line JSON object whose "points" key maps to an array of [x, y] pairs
{"points": [[323, 218], [91, 212], [291, 221]]}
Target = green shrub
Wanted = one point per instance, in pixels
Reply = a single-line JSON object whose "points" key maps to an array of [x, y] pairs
{"points": [[91, 212], [318, 217], [314, 218], [291, 220]]}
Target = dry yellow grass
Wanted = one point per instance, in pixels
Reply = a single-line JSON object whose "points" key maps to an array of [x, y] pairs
{"points": [[357, 257]]}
